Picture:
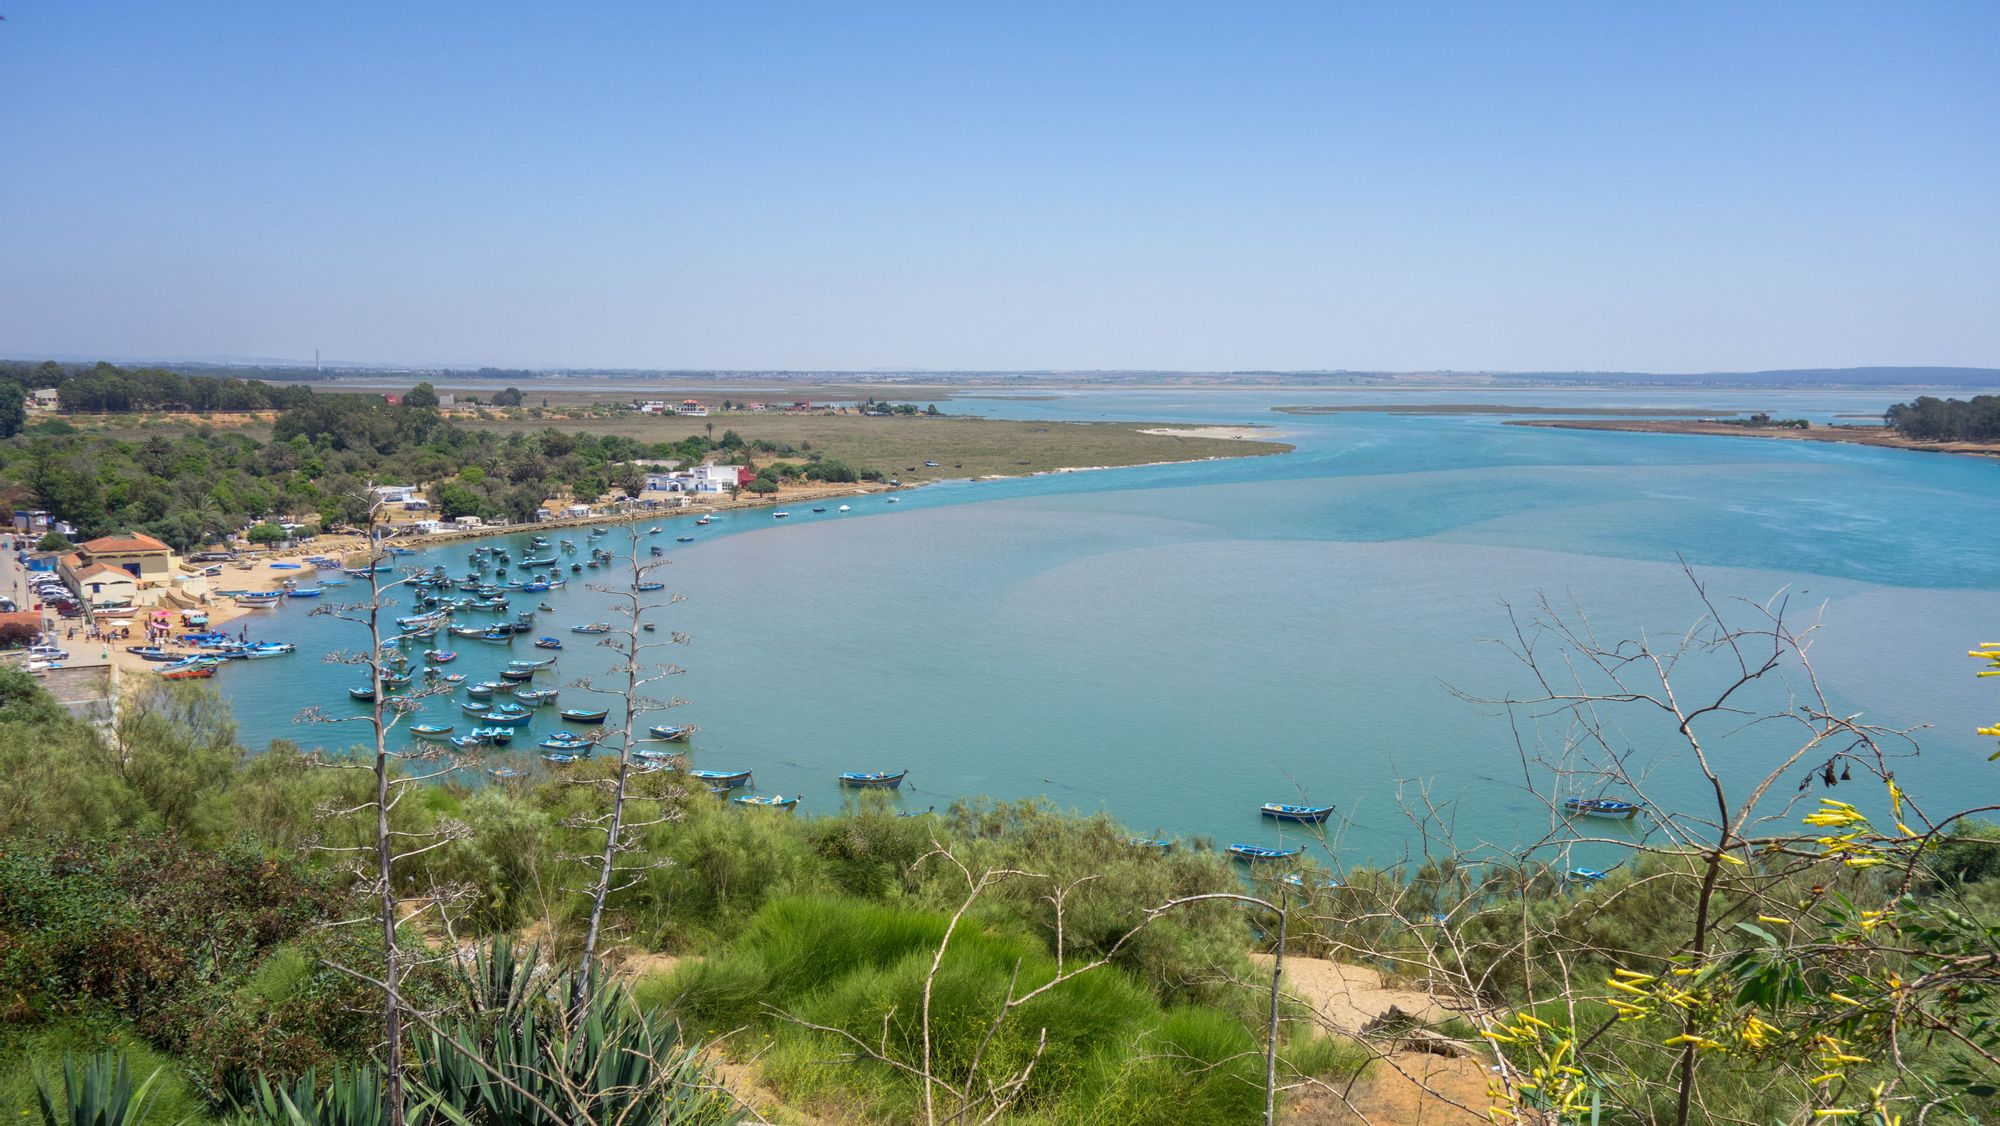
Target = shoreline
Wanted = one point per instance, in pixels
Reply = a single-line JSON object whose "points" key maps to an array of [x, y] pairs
{"points": [[1881, 437], [261, 576]]}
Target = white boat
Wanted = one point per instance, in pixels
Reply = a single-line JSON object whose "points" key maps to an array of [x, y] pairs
{"points": [[843, 508], [779, 515]]}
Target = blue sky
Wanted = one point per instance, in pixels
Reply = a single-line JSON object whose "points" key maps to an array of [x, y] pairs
{"points": [[1561, 186]]}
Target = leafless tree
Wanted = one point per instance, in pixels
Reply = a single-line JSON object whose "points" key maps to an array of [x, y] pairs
{"points": [[394, 773]]}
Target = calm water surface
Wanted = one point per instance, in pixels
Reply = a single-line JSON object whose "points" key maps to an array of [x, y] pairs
{"points": [[1176, 644]]}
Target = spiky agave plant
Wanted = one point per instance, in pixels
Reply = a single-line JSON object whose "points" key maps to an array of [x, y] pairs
{"points": [[96, 1091], [352, 1097], [541, 1048]]}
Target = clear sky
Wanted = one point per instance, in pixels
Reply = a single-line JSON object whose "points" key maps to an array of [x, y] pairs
{"points": [[1674, 186]]}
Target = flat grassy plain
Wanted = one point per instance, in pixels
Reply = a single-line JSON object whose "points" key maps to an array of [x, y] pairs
{"points": [[899, 445]]}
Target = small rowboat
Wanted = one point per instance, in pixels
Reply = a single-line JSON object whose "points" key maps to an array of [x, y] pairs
{"points": [[652, 586], [441, 656], [475, 708], [1586, 875], [466, 742], [505, 772], [560, 758], [1256, 853], [545, 662], [198, 672], [1151, 842], [430, 730], [485, 689], [873, 779], [1312, 813], [670, 732], [1600, 807], [774, 801], [536, 699], [564, 741], [517, 674], [683, 539], [548, 642], [509, 714], [819, 508], [727, 779], [365, 695], [153, 653], [582, 715], [704, 522], [498, 736], [594, 627], [779, 515]]}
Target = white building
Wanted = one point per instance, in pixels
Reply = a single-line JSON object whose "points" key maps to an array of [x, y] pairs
{"points": [[716, 478], [395, 494]]}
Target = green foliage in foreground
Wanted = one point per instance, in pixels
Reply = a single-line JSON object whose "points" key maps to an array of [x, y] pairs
{"points": [[829, 978]]}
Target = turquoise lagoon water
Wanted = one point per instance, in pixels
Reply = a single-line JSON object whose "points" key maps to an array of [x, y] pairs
{"points": [[1176, 644]]}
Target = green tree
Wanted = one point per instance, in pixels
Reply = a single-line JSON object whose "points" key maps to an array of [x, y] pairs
{"points": [[13, 409], [264, 535], [53, 541], [422, 396]]}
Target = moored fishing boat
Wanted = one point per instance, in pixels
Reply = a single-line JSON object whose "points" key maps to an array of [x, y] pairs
{"points": [[560, 758], [188, 672], [505, 772], [1256, 853], [517, 674], [1314, 814], [652, 586], [1600, 807], [873, 779], [545, 662], [441, 656], [153, 653], [594, 627], [536, 699], [498, 736], [584, 715], [683, 539], [304, 592], [548, 643], [475, 708], [672, 733], [727, 779], [565, 741], [773, 801], [430, 730], [365, 695], [510, 714], [780, 514], [260, 600]]}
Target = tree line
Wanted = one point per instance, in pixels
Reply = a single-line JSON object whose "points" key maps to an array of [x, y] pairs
{"points": [[1931, 419]]}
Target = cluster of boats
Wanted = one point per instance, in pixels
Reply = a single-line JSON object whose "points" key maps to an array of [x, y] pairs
{"points": [[210, 652]]}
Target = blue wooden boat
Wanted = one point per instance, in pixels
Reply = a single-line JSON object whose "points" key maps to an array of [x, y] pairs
{"points": [[683, 539], [1311, 813], [727, 779], [517, 674], [475, 708], [670, 732], [1298, 881], [774, 801], [1255, 853], [565, 741], [1587, 875], [153, 653], [560, 758], [548, 643], [1600, 807], [510, 714], [498, 736], [365, 695], [304, 592], [441, 656], [545, 662], [484, 690], [585, 715], [466, 742], [430, 730], [1151, 842], [536, 699], [652, 586], [873, 779], [594, 627]]}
